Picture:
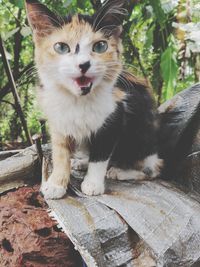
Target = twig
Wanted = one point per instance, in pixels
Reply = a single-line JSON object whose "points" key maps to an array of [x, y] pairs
{"points": [[8, 102]]}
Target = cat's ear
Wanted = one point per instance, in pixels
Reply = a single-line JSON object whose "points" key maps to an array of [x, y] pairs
{"points": [[110, 16], [40, 18]]}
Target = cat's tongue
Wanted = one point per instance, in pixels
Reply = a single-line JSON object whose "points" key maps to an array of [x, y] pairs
{"points": [[83, 81], [85, 84]]}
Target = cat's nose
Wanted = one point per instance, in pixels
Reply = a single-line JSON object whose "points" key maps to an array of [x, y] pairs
{"points": [[84, 67]]}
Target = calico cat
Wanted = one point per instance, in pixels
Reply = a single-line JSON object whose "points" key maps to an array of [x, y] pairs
{"points": [[91, 100]]}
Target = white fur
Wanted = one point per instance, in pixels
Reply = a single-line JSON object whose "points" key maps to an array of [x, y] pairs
{"points": [[51, 190], [93, 183], [76, 117], [119, 174], [154, 164]]}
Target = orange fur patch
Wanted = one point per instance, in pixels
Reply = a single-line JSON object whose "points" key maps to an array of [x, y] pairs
{"points": [[118, 94]]}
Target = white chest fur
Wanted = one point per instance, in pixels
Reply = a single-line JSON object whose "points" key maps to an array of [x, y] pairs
{"points": [[76, 116]]}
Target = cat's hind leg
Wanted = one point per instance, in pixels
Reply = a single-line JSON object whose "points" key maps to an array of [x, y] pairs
{"points": [[129, 174], [147, 169], [152, 166]]}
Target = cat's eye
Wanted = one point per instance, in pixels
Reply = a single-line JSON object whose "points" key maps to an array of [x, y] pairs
{"points": [[100, 47], [62, 48]]}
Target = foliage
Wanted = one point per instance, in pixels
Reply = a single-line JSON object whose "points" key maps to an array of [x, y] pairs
{"points": [[161, 43]]}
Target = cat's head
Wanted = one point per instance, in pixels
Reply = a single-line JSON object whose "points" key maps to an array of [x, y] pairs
{"points": [[78, 53]]}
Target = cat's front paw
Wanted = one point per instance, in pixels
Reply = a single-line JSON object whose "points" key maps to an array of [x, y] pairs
{"points": [[51, 190], [91, 188]]}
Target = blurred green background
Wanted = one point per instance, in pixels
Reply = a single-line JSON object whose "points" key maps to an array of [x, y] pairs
{"points": [[161, 43]]}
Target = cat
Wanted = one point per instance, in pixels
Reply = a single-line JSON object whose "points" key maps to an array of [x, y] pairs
{"points": [[91, 100]]}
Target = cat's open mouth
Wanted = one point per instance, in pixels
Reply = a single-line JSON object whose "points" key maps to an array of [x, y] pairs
{"points": [[85, 84]]}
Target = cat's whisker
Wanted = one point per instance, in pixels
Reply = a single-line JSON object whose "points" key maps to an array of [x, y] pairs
{"points": [[109, 63], [96, 27], [116, 10], [59, 17], [130, 66], [99, 13], [25, 76], [124, 81], [130, 74], [29, 79]]}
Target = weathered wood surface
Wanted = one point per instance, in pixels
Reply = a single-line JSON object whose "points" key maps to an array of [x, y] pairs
{"points": [[164, 222], [9, 153], [19, 169]]}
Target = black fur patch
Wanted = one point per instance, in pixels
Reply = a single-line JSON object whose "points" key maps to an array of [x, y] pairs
{"points": [[86, 18], [68, 19], [130, 133]]}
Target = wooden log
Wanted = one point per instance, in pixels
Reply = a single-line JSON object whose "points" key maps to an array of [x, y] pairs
{"points": [[9, 153], [19, 169]]}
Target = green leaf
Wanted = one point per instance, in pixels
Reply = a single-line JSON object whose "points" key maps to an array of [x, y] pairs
{"points": [[10, 34], [169, 70], [67, 3], [158, 11], [149, 36], [18, 3], [25, 31], [81, 4]]}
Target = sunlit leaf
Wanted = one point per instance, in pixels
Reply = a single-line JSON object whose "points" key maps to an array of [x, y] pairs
{"points": [[169, 5], [10, 34], [67, 3], [158, 11], [18, 3], [25, 31], [149, 36], [169, 70]]}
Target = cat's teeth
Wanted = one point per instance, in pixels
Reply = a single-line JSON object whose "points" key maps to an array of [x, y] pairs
{"points": [[86, 85], [86, 89]]}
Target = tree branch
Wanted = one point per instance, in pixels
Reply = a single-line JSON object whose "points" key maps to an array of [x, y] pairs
{"points": [[6, 89], [17, 45], [8, 102]]}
